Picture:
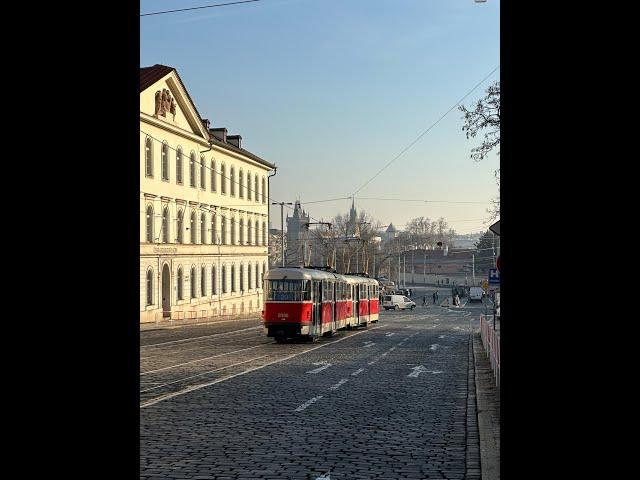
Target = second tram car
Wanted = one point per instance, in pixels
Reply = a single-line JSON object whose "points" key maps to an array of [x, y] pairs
{"points": [[311, 303]]}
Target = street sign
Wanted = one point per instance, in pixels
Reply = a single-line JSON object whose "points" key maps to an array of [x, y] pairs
{"points": [[494, 276], [484, 285]]}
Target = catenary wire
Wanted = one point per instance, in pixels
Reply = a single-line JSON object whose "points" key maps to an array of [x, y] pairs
{"points": [[197, 8]]}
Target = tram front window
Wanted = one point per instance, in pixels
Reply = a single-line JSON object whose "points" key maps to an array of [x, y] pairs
{"points": [[288, 290]]}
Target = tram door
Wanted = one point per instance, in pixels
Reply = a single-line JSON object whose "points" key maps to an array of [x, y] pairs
{"points": [[316, 321], [335, 306], [356, 304]]}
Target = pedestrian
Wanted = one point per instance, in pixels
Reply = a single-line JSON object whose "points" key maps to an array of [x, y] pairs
{"points": [[424, 301], [435, 297]]}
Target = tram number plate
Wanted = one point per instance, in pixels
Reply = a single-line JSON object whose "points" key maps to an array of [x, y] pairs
{"points": [[283, 315]]}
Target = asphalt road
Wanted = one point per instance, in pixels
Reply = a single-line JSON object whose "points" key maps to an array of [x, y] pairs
{"points": [[393, 401]]}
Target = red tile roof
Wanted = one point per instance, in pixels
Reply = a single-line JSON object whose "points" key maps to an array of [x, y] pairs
{"points": [[150, 75]]}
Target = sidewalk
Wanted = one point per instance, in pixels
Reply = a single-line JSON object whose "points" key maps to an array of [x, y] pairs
{"points": [[165, 324], [488, 409]]}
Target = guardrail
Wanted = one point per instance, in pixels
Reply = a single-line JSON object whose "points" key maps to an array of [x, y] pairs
{"points": [[491, 342]]}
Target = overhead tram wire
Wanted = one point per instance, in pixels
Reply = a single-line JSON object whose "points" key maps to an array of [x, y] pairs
{"points": [[197, 8], [426, 131]]}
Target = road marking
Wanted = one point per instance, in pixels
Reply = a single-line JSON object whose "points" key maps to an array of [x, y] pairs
{"points": [[324, 366], [196, 338], [203, 373], [390, 334], [201, 359], [324, 477], [308, 403], [433, 347], [357, 372], [203, 385], [337, 385], [442, 336], [417, 371], [369, 344]]}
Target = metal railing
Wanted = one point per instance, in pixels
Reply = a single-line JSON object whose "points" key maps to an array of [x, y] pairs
{"points": [[491, 342], [209, 315]]}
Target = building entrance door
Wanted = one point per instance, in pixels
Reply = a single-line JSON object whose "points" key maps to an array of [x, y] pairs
{"points": [[166, 292]]}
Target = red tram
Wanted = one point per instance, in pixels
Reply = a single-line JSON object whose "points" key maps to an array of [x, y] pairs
{"points": [[311, 303]]}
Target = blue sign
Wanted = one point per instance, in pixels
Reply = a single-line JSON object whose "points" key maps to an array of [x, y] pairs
{"points": [[494, 276]]}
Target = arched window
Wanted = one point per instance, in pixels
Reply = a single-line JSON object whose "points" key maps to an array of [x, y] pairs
{"points": [[203, 175], [241, 184], [179, 165], [233, 278], [223, 230], [213, 176], [148, 157], [233, 231], [232, 181], [249, 277], [165, 161], [264, 190], [192, 170], [241, 278], [214, 283], [203, 227], [180, 284], [214, 232], [223, 179], [249, 232], [264, 269], [150, 286], [257, 230], [248, 185], [257, 276], [256, 189], [149, 219], [224, 279], [180, 226], [165, 225], [193, 282], [192, 227], [203, 282], [264, 233], [242, 231]]}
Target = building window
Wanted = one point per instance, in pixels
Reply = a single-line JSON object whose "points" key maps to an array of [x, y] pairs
{"points": [[214, 283], [214, 233], [148, 157], [193, 282], [241, 231], [249, 277], [264, 191], [233, 278], [232, 182], [179, 165], [264, 269], [180, 227], [165, 161], [165, 225], [180, 284], [213, 176], [257, 276], [223, 230], [257, 230], [149, 219], [241, 278], [150, 286], [193, 227], [233, 231], [248, 185], [249, 232], [223, 179], [264, 233], [192, 170], [203, 226], [203, 175], [241, 184], [224, 279], [256, 190], [203, 282]]}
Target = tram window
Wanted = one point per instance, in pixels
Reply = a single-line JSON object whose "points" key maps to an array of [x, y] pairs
{"points": [[288, 290]]}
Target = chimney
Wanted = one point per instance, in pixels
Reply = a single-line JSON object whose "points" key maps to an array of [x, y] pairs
{"points": [[219, 133], [205, 122], [234, 140]]}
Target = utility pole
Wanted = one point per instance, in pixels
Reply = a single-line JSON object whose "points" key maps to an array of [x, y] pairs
{"points": [[473, 263], [282, 204], [404, 271]]}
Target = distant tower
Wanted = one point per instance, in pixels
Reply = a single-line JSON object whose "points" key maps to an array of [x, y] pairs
{"points": [[391, 233], [352, 225], [296, 225]]}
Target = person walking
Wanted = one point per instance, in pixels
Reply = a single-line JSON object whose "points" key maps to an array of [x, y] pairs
{"points": [[435, 297], [424, 301]]}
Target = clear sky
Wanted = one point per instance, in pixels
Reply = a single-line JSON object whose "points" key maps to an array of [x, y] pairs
{"points": [[332, 90]]}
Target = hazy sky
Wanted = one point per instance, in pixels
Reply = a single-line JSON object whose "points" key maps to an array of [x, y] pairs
{"points": [[332, 90]]}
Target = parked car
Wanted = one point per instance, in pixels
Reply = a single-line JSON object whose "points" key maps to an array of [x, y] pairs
{"points": [[397, 302], [476, 294]]}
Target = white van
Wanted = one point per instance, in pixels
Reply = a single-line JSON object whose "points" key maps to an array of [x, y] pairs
{"points": [[476, 294], [397, 302]]}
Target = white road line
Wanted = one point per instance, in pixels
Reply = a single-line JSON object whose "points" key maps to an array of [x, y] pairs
{"points": [[201, 359], [337, 385], [308, 403], [390, 334], [371, 344], [319, 369], [203, 373], [196, 338], [357, 372], [433, 347], [203, 385], [442, 336]]}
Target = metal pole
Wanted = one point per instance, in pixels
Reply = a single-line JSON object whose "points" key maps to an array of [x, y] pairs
{"points": [[473, 263], [282, 229], [404, 271]]}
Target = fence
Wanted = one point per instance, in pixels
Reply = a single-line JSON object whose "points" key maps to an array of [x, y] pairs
{"points": [[491, 342]]}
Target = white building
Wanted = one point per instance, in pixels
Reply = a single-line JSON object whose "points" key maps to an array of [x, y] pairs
{"points": [[203, 209]]}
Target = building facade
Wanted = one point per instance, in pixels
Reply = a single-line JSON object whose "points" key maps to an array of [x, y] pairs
{"points": [[203, 209]]}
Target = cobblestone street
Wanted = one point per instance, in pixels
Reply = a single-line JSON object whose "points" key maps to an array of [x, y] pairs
{"points": [[393, 401]]}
